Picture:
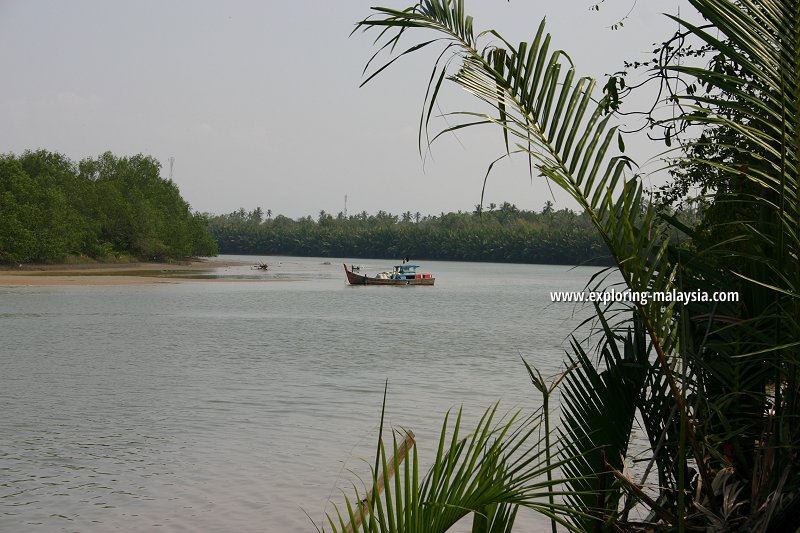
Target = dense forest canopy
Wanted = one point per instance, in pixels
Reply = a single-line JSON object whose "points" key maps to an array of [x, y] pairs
{"points": [[117, 208], [501, 234], [52, 209]]}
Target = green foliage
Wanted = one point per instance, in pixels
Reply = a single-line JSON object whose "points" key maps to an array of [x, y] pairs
{"points": [[486, 473], [716, 386], [52, 208], [599, 408], [502, 235]]}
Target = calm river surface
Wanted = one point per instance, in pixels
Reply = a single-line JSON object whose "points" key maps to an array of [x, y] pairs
{"points": [[238, 405]]}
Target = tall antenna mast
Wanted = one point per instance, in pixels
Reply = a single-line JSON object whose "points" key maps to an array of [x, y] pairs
{"points": [[171, 164], [345, 206]]}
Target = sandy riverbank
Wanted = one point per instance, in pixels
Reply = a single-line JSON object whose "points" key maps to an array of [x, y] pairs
{"points": [[110, 273]]}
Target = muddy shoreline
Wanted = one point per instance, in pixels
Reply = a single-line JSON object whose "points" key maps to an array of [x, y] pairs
{"points": [[109, 273]]}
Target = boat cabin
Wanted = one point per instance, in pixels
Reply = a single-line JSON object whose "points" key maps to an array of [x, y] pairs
{"points": [[408, 271]]}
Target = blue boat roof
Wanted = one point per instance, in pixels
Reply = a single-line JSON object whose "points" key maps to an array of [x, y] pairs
{"points": [[407, 266]]}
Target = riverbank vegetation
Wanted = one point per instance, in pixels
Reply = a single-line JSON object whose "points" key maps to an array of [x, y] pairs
{"points": [[109, 208], [498, 233], [713, 388]]}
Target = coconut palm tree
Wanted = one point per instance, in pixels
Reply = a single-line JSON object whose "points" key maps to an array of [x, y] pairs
{"points": [[714, 384]]}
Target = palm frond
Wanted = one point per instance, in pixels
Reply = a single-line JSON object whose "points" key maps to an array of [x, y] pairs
{"points": [[706, 376], [489, 473], [553, 117]]}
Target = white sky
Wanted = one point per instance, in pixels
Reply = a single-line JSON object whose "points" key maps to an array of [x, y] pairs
{"points": [[258, 101]]}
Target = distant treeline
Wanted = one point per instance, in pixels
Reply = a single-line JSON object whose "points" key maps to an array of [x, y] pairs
{"points": [[52, 208], [501, 234]]}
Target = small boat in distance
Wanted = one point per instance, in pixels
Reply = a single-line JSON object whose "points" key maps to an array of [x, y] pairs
{"points": [[405, 274]]}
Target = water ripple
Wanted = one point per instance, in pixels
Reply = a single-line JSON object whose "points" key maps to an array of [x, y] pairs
{"points": [[229, 406]]}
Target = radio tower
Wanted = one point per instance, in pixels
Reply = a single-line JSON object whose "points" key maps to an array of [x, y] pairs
{"points": [[345, 206], [171, 164]]}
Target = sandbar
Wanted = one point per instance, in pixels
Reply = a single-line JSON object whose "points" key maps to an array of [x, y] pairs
{"points": [[110, 273]]}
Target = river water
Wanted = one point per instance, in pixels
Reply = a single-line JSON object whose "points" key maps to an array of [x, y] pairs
{"points": [[244, 404]]}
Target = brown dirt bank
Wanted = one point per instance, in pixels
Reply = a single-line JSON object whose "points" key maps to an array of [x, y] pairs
{"points": [[109, 273]]}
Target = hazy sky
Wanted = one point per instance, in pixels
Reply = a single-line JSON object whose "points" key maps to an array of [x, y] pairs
{"points": [[259, 104]]}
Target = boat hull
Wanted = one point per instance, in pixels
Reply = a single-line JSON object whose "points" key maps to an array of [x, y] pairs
{"points": [[358, 279]]}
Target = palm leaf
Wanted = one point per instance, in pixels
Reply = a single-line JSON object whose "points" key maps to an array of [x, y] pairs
{"points": [[550, 114], [567, 135], [745, 359], [500, 466]]}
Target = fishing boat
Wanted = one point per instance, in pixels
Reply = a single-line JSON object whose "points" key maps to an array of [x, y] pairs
{"points": [[405, 274]]}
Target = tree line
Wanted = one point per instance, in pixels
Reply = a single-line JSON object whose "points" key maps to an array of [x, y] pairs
{"points": [[52, 208], [499, 234]]}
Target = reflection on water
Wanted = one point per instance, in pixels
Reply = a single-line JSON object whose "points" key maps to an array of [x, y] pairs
{"points": [[231, 406]]}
